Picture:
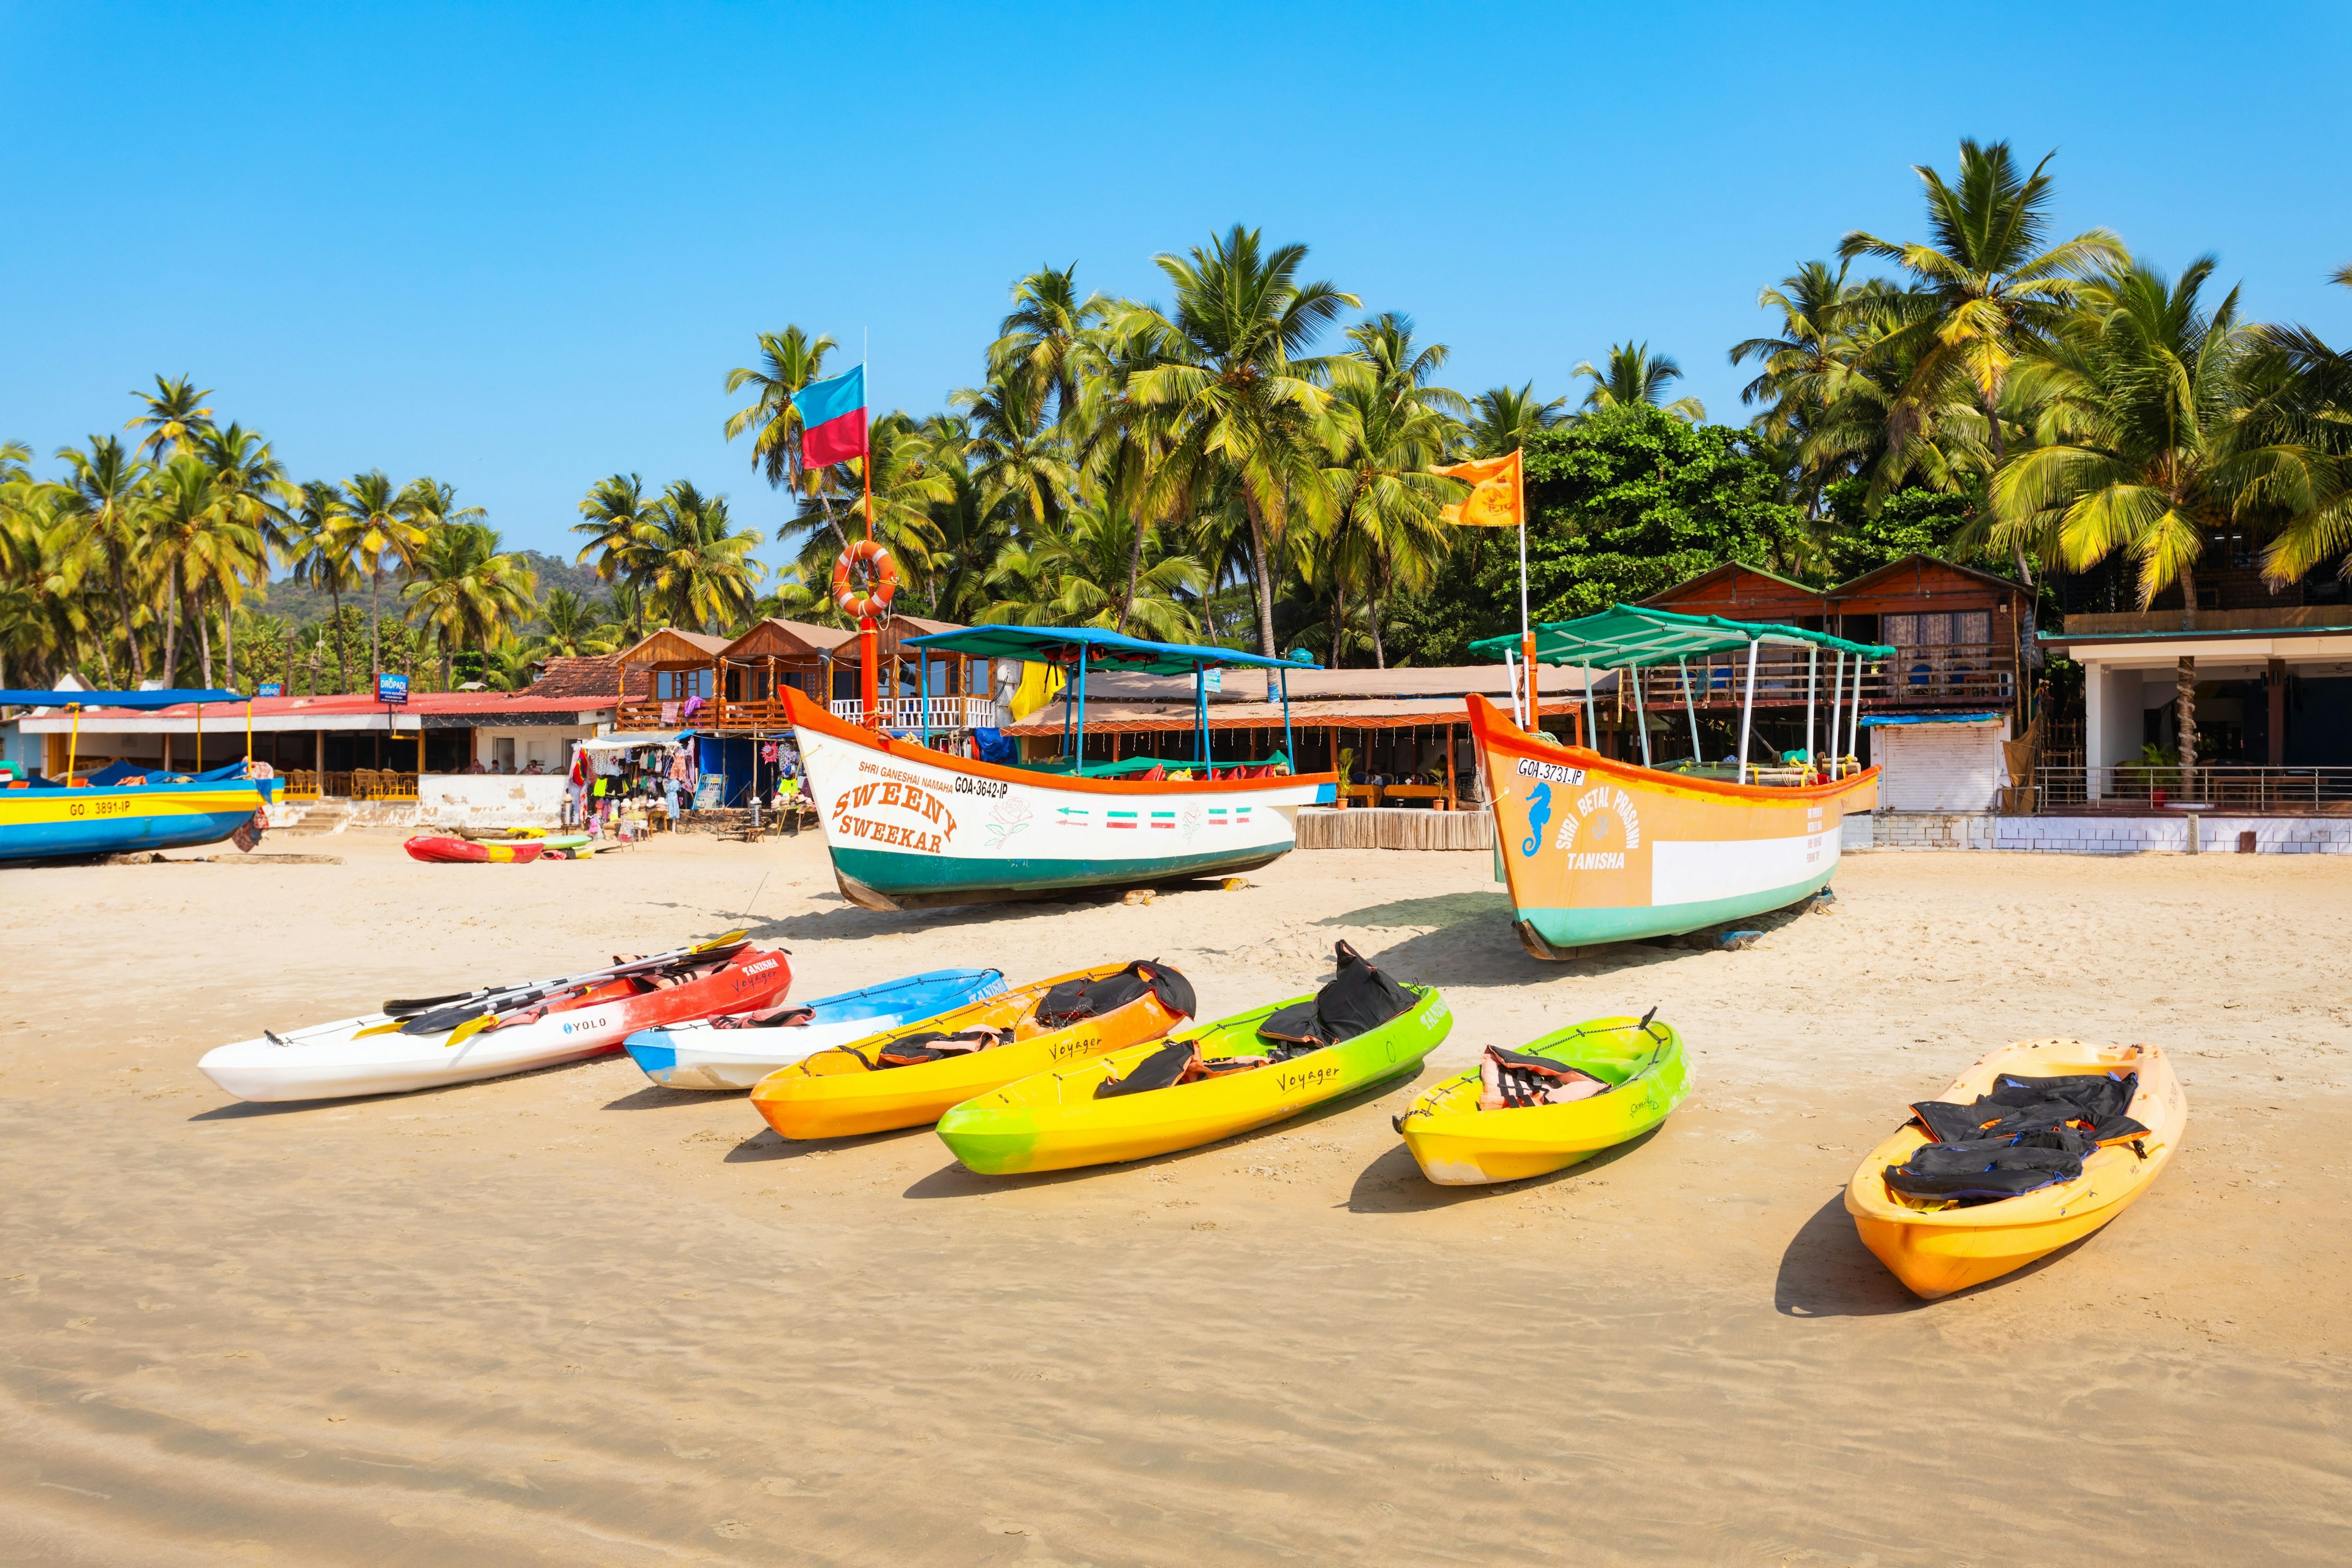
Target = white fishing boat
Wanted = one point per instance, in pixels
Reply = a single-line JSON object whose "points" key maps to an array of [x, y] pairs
{"points": [[910, 827]]}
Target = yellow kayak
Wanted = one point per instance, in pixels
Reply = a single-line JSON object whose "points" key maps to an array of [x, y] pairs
{"points": [[1938, 1246], [1062, 1119], [1640, 1062], [853, 1089]]}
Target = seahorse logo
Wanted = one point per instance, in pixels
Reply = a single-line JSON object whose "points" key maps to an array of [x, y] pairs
{"points": [[1539, 812]]}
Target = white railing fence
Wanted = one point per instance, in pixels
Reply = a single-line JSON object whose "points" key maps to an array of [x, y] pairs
{"points": [[919, 712], [2223, 786]]}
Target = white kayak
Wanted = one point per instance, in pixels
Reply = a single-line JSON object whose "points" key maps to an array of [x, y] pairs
{"points": [[700, 1055], [514, 1031]]}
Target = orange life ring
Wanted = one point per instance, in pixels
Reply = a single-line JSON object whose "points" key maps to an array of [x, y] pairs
{"points": [[874, 603]]}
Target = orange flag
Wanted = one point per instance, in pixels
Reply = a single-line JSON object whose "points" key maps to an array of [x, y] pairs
{"points": [[1500, 498]]}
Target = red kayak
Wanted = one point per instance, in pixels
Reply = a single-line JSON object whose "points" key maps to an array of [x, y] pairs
{"points": [[439, 852]]}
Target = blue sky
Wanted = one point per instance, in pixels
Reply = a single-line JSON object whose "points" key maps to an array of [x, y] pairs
{"points": [[519, 248]]}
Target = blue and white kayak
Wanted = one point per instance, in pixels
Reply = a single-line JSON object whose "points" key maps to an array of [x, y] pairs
{"points": [[696, 1056]]}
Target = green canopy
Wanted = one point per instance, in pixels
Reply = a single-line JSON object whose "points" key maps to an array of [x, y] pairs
{"points": [[1624, 637]]}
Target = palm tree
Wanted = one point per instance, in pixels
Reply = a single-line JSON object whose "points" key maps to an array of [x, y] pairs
{"points": [[1015, 456], [698, 568], [569, 626], [619, 518], [1226, 381], [1071, 575], [789, 361], [319, 552], [254, 487], [467, 590], [1046, 338], [1987, 292], [2312, 422], [173, 417], [197, 538], [2140, 448], [105, 495], [1636, 375], [379, 522], [1502, 418]]}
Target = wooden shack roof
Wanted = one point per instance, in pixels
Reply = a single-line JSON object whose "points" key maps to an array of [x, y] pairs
{"points": [[671, 647], [1916, 581], [1736, 586], [776, 637]]}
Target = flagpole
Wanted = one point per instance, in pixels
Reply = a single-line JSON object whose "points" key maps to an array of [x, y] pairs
{"points": [[1527, 637], [869, 641]]}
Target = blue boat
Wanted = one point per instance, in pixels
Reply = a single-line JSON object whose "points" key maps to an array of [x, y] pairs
{"points": [[698, 1056], [123, 806]]}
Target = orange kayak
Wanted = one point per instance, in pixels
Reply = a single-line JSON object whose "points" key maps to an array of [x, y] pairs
{"points": [[847, 1091]]}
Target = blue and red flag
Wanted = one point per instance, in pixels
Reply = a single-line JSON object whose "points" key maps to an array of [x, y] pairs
{"points": [[833, 418]]}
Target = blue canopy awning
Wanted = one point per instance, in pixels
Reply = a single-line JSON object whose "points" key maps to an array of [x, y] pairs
{"points": [[1105, 651], [140, 701]]}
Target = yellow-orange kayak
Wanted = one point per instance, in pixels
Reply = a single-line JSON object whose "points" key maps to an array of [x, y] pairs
{"points": [[1459, 1145], [1936, 1248], [843, 1092]]}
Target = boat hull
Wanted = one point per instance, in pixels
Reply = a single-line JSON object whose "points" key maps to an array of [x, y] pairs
{"points": [[698, 1056], [1597, 851], [1935, 1252], [908, 826], [39, 823], [1053, 1122], [1458, 1146], [337, 1060]]}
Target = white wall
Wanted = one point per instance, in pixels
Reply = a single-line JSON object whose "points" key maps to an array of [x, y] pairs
{"points": [[549, 745], [464, 800], [2113, 704]]}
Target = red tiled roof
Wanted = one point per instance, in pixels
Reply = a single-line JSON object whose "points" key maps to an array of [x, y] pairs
{"points": [[598, 677]]}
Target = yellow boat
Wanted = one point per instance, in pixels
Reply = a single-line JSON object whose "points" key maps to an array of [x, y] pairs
{"points": [[1936, 1249], [1459, 1145], [1055, 1122], [846, 1091]]}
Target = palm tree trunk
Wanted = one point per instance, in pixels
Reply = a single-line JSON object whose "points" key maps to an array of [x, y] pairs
{"points": [[204, 647], [171, 671], [1262, 590], [130, 639], [2184, 687], [1379, 654], [342, 666], [375, 647], [1338, 615], [1134, 574], [228, 642]]}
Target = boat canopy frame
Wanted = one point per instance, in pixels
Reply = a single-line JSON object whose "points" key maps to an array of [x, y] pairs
{"points": [[1072, 648], [1629, 638]]}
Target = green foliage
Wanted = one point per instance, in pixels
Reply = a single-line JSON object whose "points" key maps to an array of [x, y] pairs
{"points": [[1909, 522], [1624, 504]]}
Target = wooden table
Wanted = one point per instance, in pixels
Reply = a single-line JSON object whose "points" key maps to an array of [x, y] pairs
{"points": [[1439, 797]]}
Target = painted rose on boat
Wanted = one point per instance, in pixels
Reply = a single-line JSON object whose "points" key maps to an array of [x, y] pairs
{"points": [[1012, 815]]}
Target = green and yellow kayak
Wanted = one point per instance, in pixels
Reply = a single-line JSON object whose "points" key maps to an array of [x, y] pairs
{"points": [[1459, 1145], [1054, 1120]]}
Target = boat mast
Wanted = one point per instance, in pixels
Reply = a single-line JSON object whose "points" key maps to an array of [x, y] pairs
{"points": [[1748, 710]]}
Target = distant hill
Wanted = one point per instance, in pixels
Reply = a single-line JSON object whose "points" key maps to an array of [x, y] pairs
{"points": [[306, 606]]}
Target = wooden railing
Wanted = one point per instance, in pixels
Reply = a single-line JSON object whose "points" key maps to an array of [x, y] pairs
{"points": [[1944, 675]]}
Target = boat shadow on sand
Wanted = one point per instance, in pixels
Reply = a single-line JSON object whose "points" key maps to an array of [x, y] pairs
{"points": [[1472, 941], [1827, 1272], [1393, 1183], [953, 1180]]}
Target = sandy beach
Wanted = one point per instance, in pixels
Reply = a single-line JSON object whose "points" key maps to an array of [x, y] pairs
{"points": [[572, 1317]]}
